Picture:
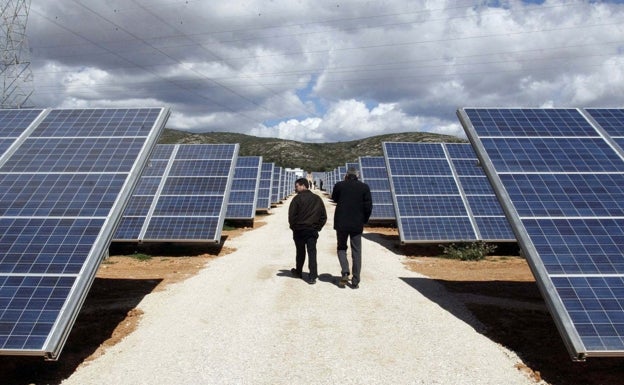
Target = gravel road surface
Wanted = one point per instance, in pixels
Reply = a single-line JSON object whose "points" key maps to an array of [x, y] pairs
{"points": [[244, 320]]}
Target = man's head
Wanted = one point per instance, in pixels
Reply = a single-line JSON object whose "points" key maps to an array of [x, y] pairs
{"points": [[351, 173], [301, 184]]}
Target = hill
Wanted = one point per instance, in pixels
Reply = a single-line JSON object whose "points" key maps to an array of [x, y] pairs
{"points": [[309, 156]]}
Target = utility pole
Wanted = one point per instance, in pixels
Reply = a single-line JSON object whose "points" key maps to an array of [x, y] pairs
{"points": [[15, 71]]}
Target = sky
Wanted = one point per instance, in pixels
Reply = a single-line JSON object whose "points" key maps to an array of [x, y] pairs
{"points": [[325, 71]]}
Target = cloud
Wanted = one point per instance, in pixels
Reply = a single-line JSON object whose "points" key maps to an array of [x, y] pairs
{"points": [[324, 71], [351, 119]]}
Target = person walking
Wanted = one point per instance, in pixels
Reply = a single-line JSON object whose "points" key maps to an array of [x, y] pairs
{"points": [[353, 209], [306, 217]]}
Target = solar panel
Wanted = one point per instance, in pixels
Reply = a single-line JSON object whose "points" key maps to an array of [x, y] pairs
{"points": [[244, 191], [182, 195], [264, 187], [355, 165], [560, 177], [277, 184], [373, 172], [440, 194], [64, 181]]}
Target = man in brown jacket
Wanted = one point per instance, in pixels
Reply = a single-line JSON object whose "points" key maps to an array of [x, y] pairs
{"points": [[306, 217]]}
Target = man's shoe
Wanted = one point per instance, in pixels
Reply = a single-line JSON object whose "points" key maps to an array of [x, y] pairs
{"points": [[343, 281], [294, 273], [312, 281]]}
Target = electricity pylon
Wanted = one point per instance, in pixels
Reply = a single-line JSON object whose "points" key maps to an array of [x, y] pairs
{"points": [[17, 78]]}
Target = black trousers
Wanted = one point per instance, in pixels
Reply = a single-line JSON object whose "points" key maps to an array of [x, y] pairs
{"points": [[306, 239]]}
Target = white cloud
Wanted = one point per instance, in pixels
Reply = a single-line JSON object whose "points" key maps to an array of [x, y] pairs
{"points": [[351, 119], [323, 71]]}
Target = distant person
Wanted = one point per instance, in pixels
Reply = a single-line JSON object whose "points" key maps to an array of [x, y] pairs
{"points": [[306, 217], [353, 208], [321, 184]]}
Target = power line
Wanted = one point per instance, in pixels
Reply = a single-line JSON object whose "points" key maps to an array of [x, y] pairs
{"points": [[137, 65], [171, 57], [220, 59]]}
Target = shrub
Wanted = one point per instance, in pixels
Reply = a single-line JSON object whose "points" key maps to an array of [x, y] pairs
{"points": [[473, 251]]}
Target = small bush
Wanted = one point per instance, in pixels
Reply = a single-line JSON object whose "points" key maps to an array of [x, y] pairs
{"points": [[473, 251], [141, 256]]}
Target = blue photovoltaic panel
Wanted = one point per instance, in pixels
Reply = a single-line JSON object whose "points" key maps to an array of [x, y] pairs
{"points": [[560, 182], [277, 183], [436, 184], [244, 191], [175, 185], [283, 186], [354, 165], [13, 123], [411, 151], [610, 119], [373, 172], [484, 206], [183, 228], [264, 187], [74, 154], [63, 187], [193, 183], [46, 195]]}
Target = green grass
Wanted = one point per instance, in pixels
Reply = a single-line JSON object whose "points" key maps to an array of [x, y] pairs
{"points": [[141, 256]]}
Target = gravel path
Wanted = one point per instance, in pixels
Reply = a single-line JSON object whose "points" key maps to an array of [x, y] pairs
{"points": [[244, 320]]}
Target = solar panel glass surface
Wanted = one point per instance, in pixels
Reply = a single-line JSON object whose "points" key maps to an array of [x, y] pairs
{"points": [[264, 187], [63, 187], [564, 195], [193, 187], [244, 191], [610, 119], [430, 188]]}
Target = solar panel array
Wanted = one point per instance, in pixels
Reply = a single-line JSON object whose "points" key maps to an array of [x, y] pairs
{"points": [[65, 176], [441, 194], [373, 172], [244, 191], [265, 186], [182, 195], [560, 176]]}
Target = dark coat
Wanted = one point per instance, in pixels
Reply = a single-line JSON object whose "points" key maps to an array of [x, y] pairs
{"points": [[353, 205], [307, 211]]}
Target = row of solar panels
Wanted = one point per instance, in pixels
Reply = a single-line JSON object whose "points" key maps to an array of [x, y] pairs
{"points": [[72, 181], [551, 178], [67, 175], [187, 191], [436, 192]]}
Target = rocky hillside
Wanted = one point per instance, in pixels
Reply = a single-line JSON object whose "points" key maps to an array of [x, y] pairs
{"points": [[309, 156]]}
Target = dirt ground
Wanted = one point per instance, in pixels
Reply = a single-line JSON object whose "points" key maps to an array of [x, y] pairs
{"points": [[500, 292]]}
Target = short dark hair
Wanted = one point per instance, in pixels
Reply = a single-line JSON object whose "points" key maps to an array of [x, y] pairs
{"points": [[303, 182]]}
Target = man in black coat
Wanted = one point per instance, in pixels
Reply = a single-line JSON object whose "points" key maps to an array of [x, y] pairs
{"points": [[353, 208], [306, 217]]}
